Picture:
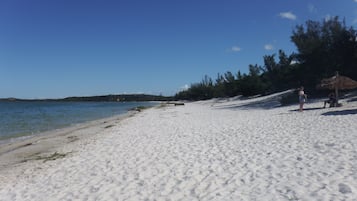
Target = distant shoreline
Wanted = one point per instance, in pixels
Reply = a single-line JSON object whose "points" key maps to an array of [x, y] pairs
{"points": [[103, 98]]}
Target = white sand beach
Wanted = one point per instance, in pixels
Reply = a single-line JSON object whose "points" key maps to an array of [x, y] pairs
{"points": [[227, 149]]}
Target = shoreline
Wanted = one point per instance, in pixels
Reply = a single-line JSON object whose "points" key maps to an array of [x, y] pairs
{"points": [[207, 150], [26, 119], [19, 150]]}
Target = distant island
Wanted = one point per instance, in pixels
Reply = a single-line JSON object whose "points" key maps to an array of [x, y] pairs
{"points": [[105, 98]]}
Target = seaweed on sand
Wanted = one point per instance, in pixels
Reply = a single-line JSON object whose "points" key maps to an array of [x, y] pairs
{"points": [[51, 157]]}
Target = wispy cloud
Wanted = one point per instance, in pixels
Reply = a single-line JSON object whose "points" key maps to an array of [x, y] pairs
{"points": [[354, 22], [268, 47], [236, 49], [288, 15], [312, 8]]}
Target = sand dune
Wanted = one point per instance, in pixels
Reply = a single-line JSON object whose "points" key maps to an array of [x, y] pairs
{"points": [[210, 150]]}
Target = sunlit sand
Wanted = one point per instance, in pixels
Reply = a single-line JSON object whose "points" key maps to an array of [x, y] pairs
{"points": [[224, 149]]}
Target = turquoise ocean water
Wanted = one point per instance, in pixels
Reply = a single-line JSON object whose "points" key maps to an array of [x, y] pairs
{"points": [[21, 119]]}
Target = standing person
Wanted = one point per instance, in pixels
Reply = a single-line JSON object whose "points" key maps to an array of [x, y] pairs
{"points": [[302, 98]]}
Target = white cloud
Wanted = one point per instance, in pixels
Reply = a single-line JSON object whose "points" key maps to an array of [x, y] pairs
{"points": [[236, 49], [268, 47], [288, 15], [355, 1], [293, 62], [184, 87], [328, 17]]}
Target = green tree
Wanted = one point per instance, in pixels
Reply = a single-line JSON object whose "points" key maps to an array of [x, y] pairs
{"points": [[252, 83], [325, 47], [218, 89], [230, 88]]}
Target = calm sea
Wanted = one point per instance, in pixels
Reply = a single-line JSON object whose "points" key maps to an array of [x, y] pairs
{"points": [[21, 119]]}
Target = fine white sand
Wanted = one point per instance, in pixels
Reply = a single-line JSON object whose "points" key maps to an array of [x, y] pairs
{"points": [[226, 149]]}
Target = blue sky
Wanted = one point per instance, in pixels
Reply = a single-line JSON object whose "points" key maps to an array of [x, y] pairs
{"points": [[61, 48]]}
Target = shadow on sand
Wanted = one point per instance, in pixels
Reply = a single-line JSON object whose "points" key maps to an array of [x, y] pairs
{"points": [[308, 109], [342, 112], [258, 104]]}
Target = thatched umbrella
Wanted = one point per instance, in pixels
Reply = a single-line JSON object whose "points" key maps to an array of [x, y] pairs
{"points": [[338, 82]]}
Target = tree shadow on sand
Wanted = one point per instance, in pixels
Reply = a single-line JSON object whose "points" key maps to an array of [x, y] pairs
{"points": [[255, 102], [342, 112], [261, 104], [308, 109], [352, 100]]}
